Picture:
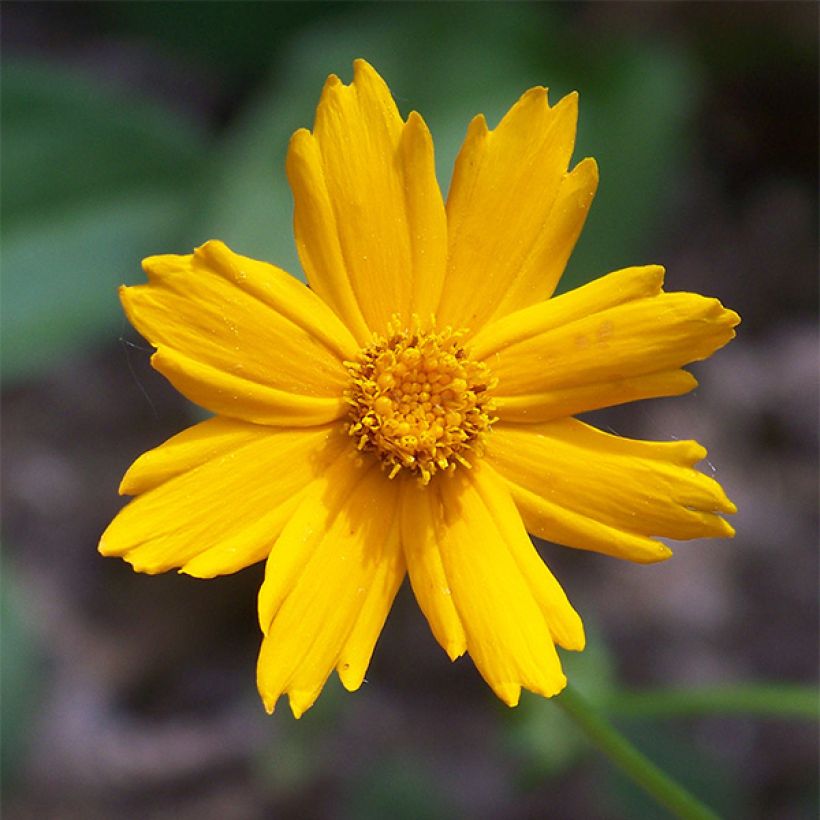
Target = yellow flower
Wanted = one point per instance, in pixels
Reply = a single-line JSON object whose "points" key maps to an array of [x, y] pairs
{"points": [[411, 411]]}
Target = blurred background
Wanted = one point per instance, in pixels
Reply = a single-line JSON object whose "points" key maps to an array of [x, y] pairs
{"points": [[138, 128]]}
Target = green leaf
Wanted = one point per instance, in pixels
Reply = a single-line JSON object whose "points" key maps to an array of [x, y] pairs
{"points": [[92, 182]]}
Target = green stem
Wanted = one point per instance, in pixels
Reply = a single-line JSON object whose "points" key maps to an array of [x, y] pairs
{"points": [[763, 700], [623, 754]]}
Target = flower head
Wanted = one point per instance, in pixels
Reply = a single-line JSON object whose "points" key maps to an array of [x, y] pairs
{"points": [[411, 412]]}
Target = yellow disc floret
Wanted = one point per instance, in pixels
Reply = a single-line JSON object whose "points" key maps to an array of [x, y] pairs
{"points": [[418, 402]]}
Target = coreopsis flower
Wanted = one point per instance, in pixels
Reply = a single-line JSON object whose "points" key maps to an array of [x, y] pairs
{"points": [[411, 412]]}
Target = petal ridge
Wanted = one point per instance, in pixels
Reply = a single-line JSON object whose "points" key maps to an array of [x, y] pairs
{"points": [[324, 600], [506, 184], [581, 487], [240, 398], [563, 621], [369, 217], [227, 505], [419, 533], [185, 451], [241, 337], [507, 635], [616, 339]]}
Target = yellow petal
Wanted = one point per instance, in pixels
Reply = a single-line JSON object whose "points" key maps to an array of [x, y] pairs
{"points": [[321, 501], [569, 401], [508, 636], [578, 486], [332, 553], [219, 514], [369, 219], [419, 536], [241, 337], [563, 621], [387, 576], [187, 450], [617, 331], [608, 291], [513, 211]]}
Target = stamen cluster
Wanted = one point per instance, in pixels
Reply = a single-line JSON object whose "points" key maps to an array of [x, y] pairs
{"points": [[418, 402]]}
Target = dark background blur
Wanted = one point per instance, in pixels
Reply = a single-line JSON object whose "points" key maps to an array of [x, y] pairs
{"points": [[138, 128]]}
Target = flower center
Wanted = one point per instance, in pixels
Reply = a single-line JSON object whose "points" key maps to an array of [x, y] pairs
{"points": [[418, 402]]}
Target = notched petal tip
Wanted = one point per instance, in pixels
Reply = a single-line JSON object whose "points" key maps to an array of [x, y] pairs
{"points": [[160, 359], [731, 317], [113, 543], [534, 96], [302, 159], [508, 693], [300, 700], [561, 685], [332, 82], [162, 265], [570, 634], [268, 696], [198, 568], [214, 253], [530, 113], [350, 678], [416, 126], [126, 296], [144, 567], [579, 643], [476, 130], [416, 139], [661, 553], [363, 71], [568, 102], [692, 451], [652, 276], [456, 650], [370, 86], [707, 308], [588, 167], [299, 138], [105, 549], [722, 504]]}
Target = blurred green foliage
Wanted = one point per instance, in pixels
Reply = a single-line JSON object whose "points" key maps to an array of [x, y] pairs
{"points": [[19, 668], [97, 177], [92, 181]]}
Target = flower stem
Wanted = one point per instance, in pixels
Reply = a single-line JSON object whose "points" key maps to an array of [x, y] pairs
{"points": [[636, 765], [761, 700]]}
